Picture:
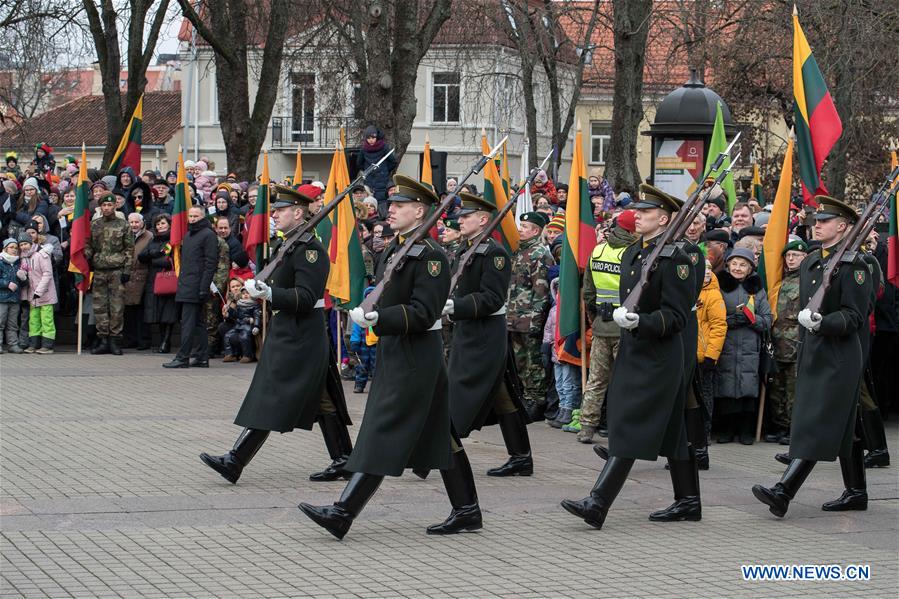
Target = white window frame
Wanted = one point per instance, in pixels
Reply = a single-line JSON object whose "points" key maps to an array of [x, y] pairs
{"points": [[430, 106], [291, 87], [606, 138]]}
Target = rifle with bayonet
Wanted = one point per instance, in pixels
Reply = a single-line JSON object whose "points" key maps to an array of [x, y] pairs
{"points": [[296, 234], [857, 235], [495, 222], [397, 260], [679, 223]]}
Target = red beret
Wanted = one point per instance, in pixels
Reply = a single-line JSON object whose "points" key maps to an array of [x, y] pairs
{"points": [[626, 221]]}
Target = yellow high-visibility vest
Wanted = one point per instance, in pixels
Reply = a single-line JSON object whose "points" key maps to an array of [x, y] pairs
{"points": [[605, 268]]}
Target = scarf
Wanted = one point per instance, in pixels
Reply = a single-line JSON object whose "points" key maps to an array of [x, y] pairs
{"points": [[9, 258], [378, 145]]}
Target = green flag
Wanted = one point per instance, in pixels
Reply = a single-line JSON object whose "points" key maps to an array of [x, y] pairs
{"points": [[718, 145]]}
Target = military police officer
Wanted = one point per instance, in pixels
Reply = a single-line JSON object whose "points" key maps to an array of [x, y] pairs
{"points": [[482, 389], [288, 390], [527, 309], [407, 420], [645, 400], [830, 369], [109, 251]]}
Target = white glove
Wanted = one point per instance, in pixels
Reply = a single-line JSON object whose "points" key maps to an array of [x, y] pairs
{"points": [[258, 289], [255, 331], [47, 249], [810, 320], [624, 319], [449, 308], [364, 319]]}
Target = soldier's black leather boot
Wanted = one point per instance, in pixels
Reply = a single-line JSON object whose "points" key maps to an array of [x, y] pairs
{"points": [[855, 496], [875, 440], [685, 482], [463, 496], [602, 451], [518, 444], [594, 507], [778, 497], [338, 518], [337, 440], [783, 458], [231, 465], [102, 346], [115, 347]]}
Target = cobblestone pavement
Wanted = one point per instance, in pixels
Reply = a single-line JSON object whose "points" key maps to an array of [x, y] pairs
{"points": [[103, 495]]}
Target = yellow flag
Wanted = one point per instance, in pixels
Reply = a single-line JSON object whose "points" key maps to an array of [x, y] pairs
{"points": [[776, 232], [496, 194], [298, 171], [427, 176]]}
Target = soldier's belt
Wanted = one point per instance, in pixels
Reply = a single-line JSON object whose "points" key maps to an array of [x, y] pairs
{"points": [[438, 325]]}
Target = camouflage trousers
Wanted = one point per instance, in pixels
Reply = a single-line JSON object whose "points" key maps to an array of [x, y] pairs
{"points": [[109, 302], [528, 360], [602, 355], [781, 393], [212, 313]]}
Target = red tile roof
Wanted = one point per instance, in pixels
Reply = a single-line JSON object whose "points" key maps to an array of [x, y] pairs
{"points": [[84, 120]]}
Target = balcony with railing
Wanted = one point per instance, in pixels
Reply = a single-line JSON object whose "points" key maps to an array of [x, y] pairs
{"points": [[321, 132]]}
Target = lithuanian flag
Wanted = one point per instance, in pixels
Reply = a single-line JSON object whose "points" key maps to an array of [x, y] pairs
{"points": [[578, 242], [128, 152], [757, 194], [179, 212], [893, 239], [81, 228], [772, 264], [495, 194], [346, 279], [818, 125], [258, 222]]}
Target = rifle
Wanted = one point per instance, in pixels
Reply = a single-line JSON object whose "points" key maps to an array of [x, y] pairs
{"points": [[679, 224], [857, 235], [494, 223], [293, 237], [397, 260]]}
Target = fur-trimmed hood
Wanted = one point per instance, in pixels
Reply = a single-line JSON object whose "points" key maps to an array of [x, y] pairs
{"points": [[752, 284]]}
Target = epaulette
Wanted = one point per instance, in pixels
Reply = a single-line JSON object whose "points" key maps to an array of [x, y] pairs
{"points": [[306, 237], [668, 251], [417, 250], [482, 248], [849, 257]]}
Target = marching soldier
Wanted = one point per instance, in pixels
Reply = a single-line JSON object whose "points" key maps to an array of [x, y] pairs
{"points": [[289, 387], [645, 399], [109, 252], [407, 419], [830, 369], [482, 390], [450, 241], [527, 308]]}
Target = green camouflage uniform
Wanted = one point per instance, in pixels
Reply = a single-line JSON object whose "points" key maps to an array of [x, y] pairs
{"points": [[110, 253], [213, 306], [785, 334], [526, 314]]}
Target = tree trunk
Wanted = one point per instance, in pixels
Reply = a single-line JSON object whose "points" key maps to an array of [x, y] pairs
{"points": [[631, 21]]}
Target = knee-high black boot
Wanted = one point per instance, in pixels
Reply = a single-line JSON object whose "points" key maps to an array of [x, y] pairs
{"points": [[875, 440], [165, 341], [855, 496], [337, 440], [696, 435], [231, 465], [463, 496], [778, 497], [594, 507], [518, 444], [685, 482], [338, 518]]}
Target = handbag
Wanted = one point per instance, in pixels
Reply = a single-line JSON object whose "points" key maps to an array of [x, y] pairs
{"points": [[165, 282]]}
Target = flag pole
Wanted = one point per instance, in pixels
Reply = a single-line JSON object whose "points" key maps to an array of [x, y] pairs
{"points": [[264, 301], [758, 424], [80, 318], [583, 345], [339, 335]]}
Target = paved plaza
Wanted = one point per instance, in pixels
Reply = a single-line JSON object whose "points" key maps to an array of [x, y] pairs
{"points": [[103, 495]]}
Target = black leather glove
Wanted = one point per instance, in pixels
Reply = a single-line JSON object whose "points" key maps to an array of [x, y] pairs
{"points": [[736, 320], [708, 364], [124, 278], [203, 296]]}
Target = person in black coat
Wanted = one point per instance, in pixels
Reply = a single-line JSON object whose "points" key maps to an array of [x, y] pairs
{"points": [[159, 309], [829, 372], [199, 260], [289, 388], [645, 397], [373, 149], [237, 254], [407, 418]]}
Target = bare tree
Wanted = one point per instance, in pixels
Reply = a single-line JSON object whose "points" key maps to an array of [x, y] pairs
{"points": [[631, 26], [142, 26]]}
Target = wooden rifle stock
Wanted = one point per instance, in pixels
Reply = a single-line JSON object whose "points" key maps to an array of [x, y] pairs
{"points": [[856, 236]]}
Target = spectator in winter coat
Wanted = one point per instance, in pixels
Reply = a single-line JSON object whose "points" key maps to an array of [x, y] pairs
{"points": [[159, 309], [44, 161], [601, 193], [40, 293], [373, 149], [125, 180], [364, 344], [237, 255], [12, 279], [240, 344], [544, 185], [711, 318], [225, 209], [30, 202]]}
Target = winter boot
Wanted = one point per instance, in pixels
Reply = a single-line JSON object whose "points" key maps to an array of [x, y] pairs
{"points": [[594, 507], [34, 344], [586, 433], [115, 347], [875, 440], [46, 346], [337, 440], [102, 346], [338, 518], [231, 465], [727, 434], [562, 418], [463, 496], [778, 497], [165, 342], [575, 425], [685, 482], [518, 444]]}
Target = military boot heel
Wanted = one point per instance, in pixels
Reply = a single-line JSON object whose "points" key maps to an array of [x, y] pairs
{"points": [[338, 518], [778, 497], [875, 440], [463, 496], [685, 482], [594, 508], [337, 440], [855, 496], [518, 444], [231, 465]]}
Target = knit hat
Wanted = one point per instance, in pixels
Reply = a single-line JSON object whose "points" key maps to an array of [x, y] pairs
{"points": [[30, 182], [796, 245], [744, 253], [12, 156], [32, 225], [557, 223], [717, 235], [626, 220], [541, 177], [25, 238], [761, 218], [9, 241]]}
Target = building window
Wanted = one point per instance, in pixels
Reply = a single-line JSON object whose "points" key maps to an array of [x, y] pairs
{"points": [[303, 113], [446, 98], [600, 135]]}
